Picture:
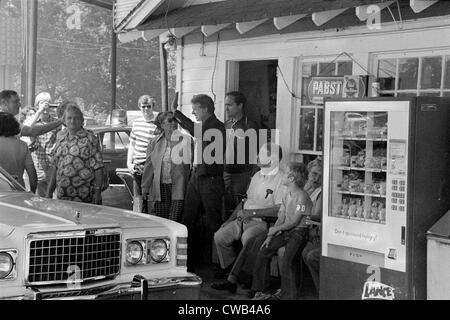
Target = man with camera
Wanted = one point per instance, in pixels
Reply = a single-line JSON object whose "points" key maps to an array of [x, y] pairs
{"points": [[10, 102], [41, 147]]}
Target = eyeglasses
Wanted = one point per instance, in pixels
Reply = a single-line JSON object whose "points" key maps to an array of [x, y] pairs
{"points": [[170, 120], [146, 106]]}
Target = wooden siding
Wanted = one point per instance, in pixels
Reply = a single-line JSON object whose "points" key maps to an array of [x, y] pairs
{"points": [[196, 73]]}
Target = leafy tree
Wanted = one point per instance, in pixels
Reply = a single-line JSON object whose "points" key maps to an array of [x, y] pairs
{"points": [[74, 63]]}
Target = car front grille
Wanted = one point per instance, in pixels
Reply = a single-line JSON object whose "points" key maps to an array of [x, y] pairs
{"points": [[74, 259]]}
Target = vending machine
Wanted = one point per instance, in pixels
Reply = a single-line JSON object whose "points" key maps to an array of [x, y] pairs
{"points": [[386, 182]]}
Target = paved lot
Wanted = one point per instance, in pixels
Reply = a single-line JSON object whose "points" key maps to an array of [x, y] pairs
{"points": [[117, 196]]}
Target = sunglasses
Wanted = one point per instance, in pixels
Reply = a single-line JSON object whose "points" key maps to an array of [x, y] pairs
{"points": [[147, 106], [170, 120]]}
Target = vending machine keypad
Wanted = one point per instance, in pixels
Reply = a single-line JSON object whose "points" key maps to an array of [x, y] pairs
{"points": [[398, 195]]}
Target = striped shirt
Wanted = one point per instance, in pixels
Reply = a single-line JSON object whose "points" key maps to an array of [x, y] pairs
{"points": [[141, 133]]}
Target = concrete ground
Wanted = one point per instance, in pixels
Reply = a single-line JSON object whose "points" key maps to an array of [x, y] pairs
{"points": [[117, 196]]}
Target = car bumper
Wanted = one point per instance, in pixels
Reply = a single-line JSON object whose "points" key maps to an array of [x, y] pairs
{"points": [[169, 288]]}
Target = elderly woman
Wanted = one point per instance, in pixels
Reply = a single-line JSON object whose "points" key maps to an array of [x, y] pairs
{"points": [[167, 168], [15, 157], [77, 162]]}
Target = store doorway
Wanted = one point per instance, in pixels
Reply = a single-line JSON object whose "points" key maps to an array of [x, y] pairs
{"points": [[257, 80]]}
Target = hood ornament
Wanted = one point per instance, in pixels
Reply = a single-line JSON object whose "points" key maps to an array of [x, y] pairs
{"points": [[77, 217]]}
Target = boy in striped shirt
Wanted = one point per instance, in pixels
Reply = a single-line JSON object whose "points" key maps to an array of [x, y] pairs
{"points": [[142, 132]]}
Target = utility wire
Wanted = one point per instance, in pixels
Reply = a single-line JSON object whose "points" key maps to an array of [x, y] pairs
{"points": [[332, 62], [215, 65]]}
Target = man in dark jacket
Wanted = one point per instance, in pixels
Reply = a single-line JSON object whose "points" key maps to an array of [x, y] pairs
{"points": [[206, 186], [241, 150]]}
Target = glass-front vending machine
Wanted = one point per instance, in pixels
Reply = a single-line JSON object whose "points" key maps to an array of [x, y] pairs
{"points": [[386, 181]]}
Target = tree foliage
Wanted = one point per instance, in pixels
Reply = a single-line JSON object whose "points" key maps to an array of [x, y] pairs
{"points": [[74, 64]]}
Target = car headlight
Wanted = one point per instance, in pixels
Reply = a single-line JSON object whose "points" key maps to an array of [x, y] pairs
{"points": [[6, 264], [158, 250], [134, 252]]}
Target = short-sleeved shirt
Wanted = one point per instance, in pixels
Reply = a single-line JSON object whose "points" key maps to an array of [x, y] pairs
{"points": [[141, 133], [265, 190], [76, 159], [294, 205]]}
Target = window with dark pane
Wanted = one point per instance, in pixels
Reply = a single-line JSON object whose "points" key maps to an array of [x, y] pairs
{"points": [[307, 117], [308, 70], [431, 73], [447, 73], [327, 68], [319, 133], [408, 69], [345, 68], [386, 73]]}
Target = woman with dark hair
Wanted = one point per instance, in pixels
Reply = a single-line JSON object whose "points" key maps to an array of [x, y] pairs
{"points": [[166, 170], [15, 157]]}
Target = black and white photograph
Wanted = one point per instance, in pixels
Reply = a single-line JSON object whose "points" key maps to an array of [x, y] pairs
{"points": [[225, 155]]}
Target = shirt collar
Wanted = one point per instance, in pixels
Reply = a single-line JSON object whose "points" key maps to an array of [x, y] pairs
{"points": [[272, 172], [79, 134]]}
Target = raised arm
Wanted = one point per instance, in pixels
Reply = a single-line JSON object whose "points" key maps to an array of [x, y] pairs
{"points": [[37, 130]]}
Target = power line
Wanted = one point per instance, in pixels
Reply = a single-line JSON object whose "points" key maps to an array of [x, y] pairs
{"points": [[94, 45]]}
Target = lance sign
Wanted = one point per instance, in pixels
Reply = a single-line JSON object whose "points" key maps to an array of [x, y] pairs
{"points": [[336, 87]]}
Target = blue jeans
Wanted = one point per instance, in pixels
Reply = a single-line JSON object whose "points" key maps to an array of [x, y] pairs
{"points": [[294, 240]]}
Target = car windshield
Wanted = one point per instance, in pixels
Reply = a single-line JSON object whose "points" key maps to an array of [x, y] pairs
{"points": [[7, 183]]}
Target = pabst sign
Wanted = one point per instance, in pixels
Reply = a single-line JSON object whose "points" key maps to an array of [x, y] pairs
{"points": [[335, 87]]}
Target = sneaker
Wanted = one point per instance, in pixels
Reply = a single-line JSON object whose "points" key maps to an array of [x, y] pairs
{"points": [[261, 296], [251, 294], [225, 285], [276, 295]]}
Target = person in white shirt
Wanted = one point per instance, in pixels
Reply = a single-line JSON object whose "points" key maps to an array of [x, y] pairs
{"points": [[264, 197]]}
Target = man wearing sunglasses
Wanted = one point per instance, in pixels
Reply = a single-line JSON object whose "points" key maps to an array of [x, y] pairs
{"points": [[142, 131]]}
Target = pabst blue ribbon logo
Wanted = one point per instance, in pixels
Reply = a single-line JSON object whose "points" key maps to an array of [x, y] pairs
{"points": [[374, 290]]}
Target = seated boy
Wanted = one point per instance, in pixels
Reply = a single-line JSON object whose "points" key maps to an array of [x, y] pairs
{"points": [[290, 230]]}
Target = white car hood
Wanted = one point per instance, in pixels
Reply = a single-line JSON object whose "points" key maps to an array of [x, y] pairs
{"points": [[29, 212]]}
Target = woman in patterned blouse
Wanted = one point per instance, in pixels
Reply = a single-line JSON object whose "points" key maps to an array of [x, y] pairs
{"points": [[76, 161]]}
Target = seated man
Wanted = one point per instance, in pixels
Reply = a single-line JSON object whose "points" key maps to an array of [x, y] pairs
{"points": [[243, 267], [264, 193]]}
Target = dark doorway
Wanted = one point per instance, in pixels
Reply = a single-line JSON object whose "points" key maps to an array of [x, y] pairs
{"points": [[258, 82]]}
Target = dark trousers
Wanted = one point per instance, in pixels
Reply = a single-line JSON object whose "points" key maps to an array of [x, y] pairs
{"points": [[206, 192], [294, 240], [311, 255], [235, 188]]}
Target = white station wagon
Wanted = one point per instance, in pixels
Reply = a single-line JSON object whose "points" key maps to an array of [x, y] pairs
{"points": [[52, 249]]}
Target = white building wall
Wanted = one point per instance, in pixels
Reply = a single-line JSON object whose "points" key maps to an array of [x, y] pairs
{"points": [[197, 60]]}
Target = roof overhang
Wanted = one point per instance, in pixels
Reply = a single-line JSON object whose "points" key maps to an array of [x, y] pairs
{"points": [[246, 15], [107, 4]]}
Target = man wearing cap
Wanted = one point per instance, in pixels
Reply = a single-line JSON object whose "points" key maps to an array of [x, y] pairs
{"points": [[142, 132]]}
